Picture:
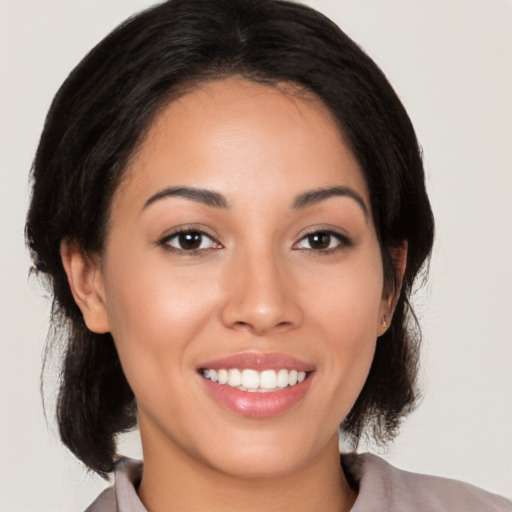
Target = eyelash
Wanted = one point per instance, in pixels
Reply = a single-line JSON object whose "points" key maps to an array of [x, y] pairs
{"points": [[343, 242], [165, 242]]}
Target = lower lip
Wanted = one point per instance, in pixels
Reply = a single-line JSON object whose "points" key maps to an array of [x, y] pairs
{"points": [[258, 405]]}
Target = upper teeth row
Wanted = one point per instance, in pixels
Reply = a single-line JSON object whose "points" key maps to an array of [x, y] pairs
{"points": [[252, 380]]}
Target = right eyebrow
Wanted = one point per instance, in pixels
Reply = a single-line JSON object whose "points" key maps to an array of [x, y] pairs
{"points": [[201, 195], [315, 196]]}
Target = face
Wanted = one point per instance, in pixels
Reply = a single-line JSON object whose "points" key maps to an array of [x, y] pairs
{"points": [[242, 279]]}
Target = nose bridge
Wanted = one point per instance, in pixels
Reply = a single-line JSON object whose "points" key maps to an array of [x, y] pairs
{"points": [[260, 292]]}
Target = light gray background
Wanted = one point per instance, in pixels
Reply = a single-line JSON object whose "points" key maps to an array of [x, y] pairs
{"points": [[450, 62]]}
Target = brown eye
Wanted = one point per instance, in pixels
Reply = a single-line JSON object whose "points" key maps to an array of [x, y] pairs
{"points": [[190, 241], [323, 241], [319, 240]]}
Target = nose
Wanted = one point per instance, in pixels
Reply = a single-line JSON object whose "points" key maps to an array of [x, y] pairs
{"points": [[260, 295]]}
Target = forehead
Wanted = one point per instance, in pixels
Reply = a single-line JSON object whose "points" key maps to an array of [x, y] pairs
{"points": [[238, 136]]}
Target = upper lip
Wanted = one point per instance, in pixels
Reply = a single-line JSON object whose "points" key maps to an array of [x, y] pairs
{"points": [[259, 362]]}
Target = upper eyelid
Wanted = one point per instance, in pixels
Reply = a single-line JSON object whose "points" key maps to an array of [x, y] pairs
{"points": [[165, 242], [203, 230], [171, 233], [344, 239], [339, 232]]}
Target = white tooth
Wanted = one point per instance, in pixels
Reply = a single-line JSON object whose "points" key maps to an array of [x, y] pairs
{"points": [[250, 379], [282, 378], [223, 376], [268, 379], [234, 377]]}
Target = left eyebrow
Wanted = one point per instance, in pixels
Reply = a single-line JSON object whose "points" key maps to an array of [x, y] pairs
{"points": [[312, 197], [201, 195]]}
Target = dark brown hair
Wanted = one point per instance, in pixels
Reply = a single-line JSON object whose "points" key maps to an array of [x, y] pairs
{"points": [[100, 115]]}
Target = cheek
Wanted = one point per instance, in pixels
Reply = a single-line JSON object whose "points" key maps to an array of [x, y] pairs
{"points": [[155, 298], [154, 316], [347, 300], [345, 308]]}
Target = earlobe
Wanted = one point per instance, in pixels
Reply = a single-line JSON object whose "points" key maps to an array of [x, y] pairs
{"points": [[86, 283], [392, 294]]}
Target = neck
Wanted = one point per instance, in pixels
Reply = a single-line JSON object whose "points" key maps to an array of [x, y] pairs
{"points": [[174, 481]]}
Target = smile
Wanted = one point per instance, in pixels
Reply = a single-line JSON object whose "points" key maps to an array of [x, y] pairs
{"points": [[257, 385], [255, 381]]}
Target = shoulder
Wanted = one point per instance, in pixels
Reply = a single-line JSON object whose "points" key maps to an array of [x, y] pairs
{"points": [[105, 502], [122, 496], [386, 488]]}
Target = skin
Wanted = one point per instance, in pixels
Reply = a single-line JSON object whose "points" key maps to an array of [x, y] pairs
{"points": [[256, 285]]}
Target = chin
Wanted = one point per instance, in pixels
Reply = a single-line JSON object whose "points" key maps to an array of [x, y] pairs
{"points": [[267, 454]]}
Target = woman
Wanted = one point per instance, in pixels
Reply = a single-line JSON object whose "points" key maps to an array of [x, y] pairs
{"points": [[229, 204]]}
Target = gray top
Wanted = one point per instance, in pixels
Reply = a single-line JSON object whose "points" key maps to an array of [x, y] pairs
{"points": [[382, 488]]}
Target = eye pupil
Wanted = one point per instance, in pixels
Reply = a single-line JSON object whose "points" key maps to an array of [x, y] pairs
{"points": [[190, 240], [319, 240]]}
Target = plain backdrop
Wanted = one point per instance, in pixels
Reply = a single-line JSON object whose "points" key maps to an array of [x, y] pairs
{"points": [[451, 63]]}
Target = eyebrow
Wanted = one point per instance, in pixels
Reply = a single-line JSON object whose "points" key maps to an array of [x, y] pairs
{"points": [[201, 195], [312, 197], [217, 200]]}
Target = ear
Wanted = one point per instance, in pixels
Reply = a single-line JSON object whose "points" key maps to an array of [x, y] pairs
{"points": [[86, 282], [392, 291]]}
